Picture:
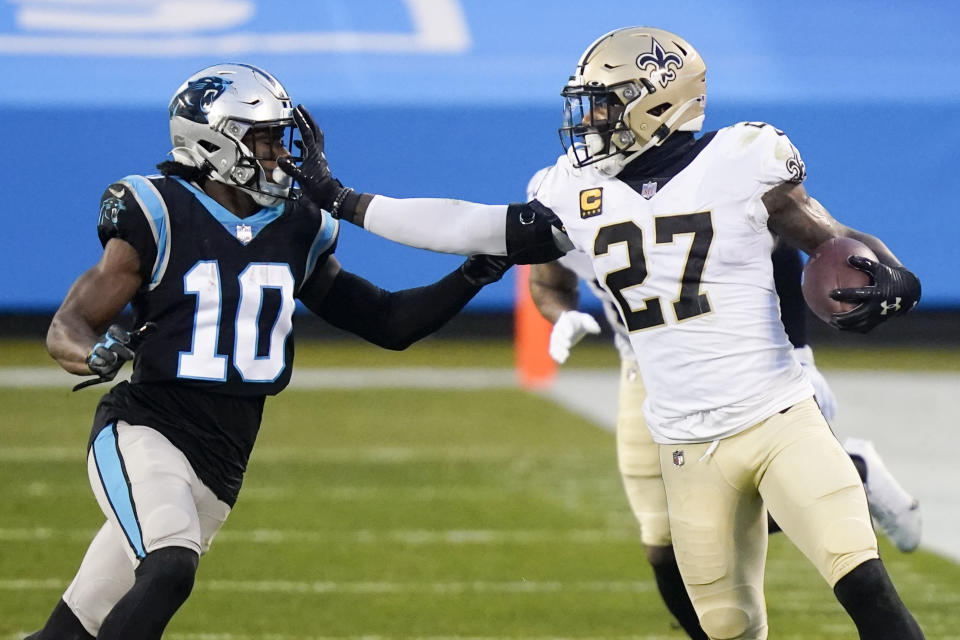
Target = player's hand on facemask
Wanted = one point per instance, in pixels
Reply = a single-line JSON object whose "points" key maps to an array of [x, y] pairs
{"points": [[893, 292], [568, 330], [821, 390], [313, 174], [481, 269]]}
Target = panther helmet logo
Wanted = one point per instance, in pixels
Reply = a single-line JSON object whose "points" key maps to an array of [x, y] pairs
{"points": [[193, 103], [658, 62]]}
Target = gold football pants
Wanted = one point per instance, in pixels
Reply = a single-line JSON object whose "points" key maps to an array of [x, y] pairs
{"points": [[718, 495]]}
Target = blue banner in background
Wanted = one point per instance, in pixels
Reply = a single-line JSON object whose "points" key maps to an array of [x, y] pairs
{"points": [[460, 98]]}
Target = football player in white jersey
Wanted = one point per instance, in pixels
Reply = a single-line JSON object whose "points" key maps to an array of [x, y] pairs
{"points": [[679, 230], [554, 288]]}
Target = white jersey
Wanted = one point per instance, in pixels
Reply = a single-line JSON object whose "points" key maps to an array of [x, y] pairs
{"points": [[688, 263]]}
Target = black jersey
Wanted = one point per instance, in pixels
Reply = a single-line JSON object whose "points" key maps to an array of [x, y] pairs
{"points": [[221, 290]]}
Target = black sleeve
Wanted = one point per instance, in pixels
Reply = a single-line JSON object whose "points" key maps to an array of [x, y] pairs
{"points": [[787, 269], [393, 319]]}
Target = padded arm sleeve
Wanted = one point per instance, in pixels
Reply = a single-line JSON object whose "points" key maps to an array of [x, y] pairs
{"points": [[787, 268], [438, 224], [393, 319]]}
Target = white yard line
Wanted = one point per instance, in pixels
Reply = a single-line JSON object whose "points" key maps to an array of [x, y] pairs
{"points": [[310, 378], [374, 587], [270, 455], [412, 537]]}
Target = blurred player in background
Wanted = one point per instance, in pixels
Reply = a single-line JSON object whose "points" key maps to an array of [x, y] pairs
{"points": [[678, 229], [212, 255], [554, 288]]}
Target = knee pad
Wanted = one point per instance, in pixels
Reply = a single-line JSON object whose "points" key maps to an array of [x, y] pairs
{"points": [[847, 544], [724, 623], [738, 612], [170, 570]]}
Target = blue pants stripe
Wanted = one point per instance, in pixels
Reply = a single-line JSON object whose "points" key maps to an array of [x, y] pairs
{"points": [[113, 477]]}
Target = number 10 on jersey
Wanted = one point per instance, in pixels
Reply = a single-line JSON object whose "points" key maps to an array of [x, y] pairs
{"points": [[203, 362]]}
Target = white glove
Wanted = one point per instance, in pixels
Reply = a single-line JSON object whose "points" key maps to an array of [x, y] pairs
{"points": [[568, 330], [821, 390]]}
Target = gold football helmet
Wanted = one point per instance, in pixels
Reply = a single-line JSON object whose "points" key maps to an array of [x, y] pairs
{"points": [[632, 88]]}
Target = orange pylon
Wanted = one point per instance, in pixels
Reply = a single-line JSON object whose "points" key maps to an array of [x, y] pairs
{"points": [[535, 368]]}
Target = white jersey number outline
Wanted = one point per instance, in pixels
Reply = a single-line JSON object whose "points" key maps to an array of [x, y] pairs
{"points": [[691, 300]]}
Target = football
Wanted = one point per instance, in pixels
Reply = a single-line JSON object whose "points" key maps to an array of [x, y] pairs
{"points": [[827, 269]]}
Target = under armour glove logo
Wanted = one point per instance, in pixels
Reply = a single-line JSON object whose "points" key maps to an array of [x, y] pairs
{"points": [[890, 307], [893, 292], [115, 347]]}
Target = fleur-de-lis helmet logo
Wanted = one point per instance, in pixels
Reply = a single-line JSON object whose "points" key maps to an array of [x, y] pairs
{"points": [[659, 63]]}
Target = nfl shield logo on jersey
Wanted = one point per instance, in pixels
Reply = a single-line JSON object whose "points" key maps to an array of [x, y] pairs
{"points": [[678, 458], [244, 233], [648, 190]]}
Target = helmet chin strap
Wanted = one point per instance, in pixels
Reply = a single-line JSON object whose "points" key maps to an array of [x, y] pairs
{"points": [[614, 164]]}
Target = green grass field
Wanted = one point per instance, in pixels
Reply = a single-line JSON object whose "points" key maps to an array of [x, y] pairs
{"points": [[400, 514]]}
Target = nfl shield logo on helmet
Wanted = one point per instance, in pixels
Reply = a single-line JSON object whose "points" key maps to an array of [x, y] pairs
{"points": [[244, 233], [648, 190], [678, 458]]}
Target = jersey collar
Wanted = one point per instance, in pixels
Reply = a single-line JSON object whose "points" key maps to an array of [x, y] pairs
{"points": [[243, 229]]}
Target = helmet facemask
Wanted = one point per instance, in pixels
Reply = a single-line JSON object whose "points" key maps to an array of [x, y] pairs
{"points": [[259, 143], [233, 121], [594, 128]]}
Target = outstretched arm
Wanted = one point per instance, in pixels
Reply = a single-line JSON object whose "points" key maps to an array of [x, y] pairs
{"points": [[396, 319], [525, 233], [96, 297]]}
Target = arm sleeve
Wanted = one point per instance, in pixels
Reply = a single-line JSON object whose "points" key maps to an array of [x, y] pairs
{"points": [[121, 216], [438, 224], [787, 268], [392, 319]]}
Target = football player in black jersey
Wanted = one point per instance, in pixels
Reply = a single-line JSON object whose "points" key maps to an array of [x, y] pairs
{"points": [[212, 255]]}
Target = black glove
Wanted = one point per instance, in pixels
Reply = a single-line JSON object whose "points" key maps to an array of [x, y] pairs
{"points": [[482, 269], [115, 347], [313, 174], [892, 292]]}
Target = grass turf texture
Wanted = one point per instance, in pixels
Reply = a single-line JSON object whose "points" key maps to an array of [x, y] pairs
{"points": [[397, 513]]}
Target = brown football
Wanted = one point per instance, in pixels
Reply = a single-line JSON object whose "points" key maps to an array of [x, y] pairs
{"points": [[827, 269]]}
